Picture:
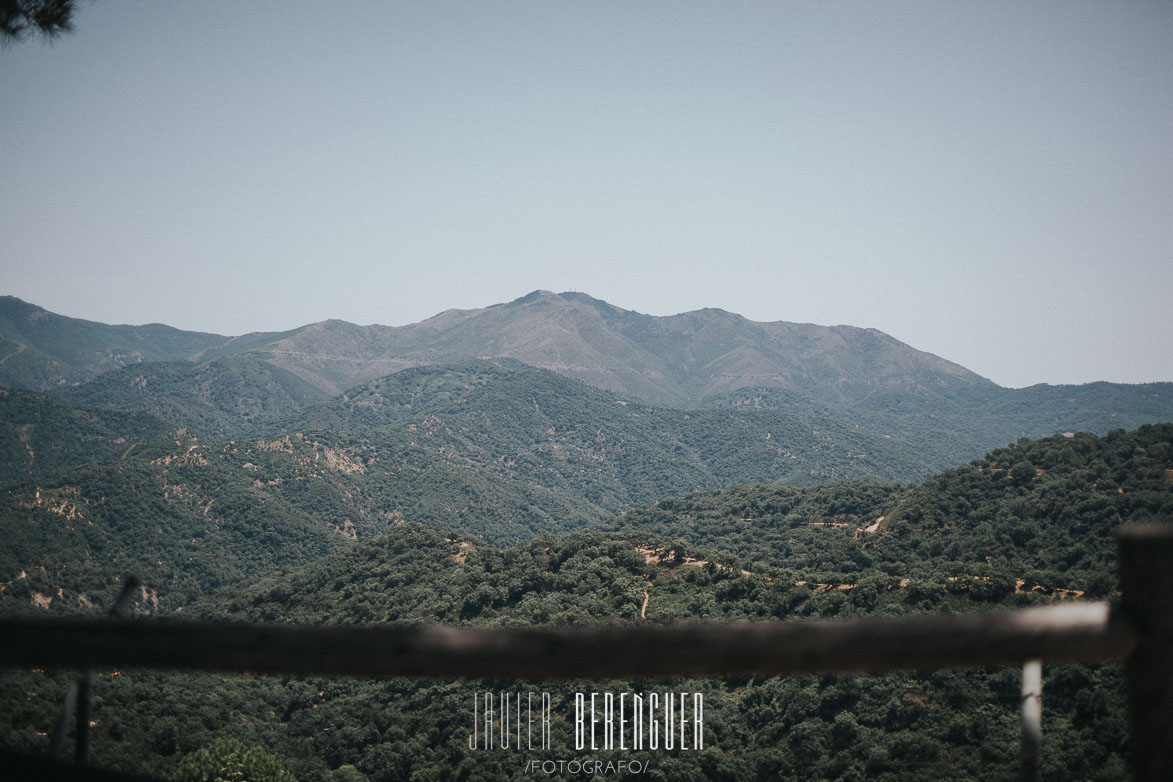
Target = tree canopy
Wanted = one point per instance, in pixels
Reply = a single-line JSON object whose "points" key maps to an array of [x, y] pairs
{"points": [[21, 18]]}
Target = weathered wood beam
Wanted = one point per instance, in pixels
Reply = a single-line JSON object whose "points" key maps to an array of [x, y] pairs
{"points": [[1083, 632]]}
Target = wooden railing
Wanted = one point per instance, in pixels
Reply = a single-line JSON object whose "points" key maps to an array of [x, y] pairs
{"points": [[1138, 631], [1064, 633]]}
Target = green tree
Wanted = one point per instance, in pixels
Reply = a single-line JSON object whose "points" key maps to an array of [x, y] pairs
{"points": [[229, 760], [1023, 472], [347, 773]]}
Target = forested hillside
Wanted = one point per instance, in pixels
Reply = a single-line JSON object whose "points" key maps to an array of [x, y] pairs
{"points": [[1031, 523], [500, 452], [164, 512], [960, 429], [1043, 511], [507, 406], [227, 387], [41, 350], [223, 399], [40, 433]]}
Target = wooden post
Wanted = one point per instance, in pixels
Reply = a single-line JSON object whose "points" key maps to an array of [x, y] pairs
{"points": [[61, 733], [79, 695], [1032, 719], [85, 686], [1146, 575]]}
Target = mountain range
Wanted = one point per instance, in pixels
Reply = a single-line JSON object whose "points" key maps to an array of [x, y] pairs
{"points": [[220, 386], [200, 460], [552, 460], [677, 361]]}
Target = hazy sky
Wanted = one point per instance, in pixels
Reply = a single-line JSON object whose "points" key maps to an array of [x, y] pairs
{"points": [[991, 182]]}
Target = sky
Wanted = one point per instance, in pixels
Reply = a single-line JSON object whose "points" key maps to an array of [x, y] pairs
{"points": [[991, 182]]}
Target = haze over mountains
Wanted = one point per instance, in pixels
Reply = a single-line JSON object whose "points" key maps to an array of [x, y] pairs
{"points": [[218, 386], [681, 360]]}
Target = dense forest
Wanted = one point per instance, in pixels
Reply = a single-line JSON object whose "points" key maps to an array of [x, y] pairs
{"points": [[221, 399], [897, 726], [494, 450], [1030, 523], [41, 433], [1041, 510]]}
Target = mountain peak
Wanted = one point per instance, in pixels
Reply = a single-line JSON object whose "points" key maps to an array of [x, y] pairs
{"points": [[533, 296]]}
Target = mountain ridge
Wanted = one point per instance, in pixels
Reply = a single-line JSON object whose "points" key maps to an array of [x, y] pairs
{"points": [[41, 350], [231, 386], [676, 360]]}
